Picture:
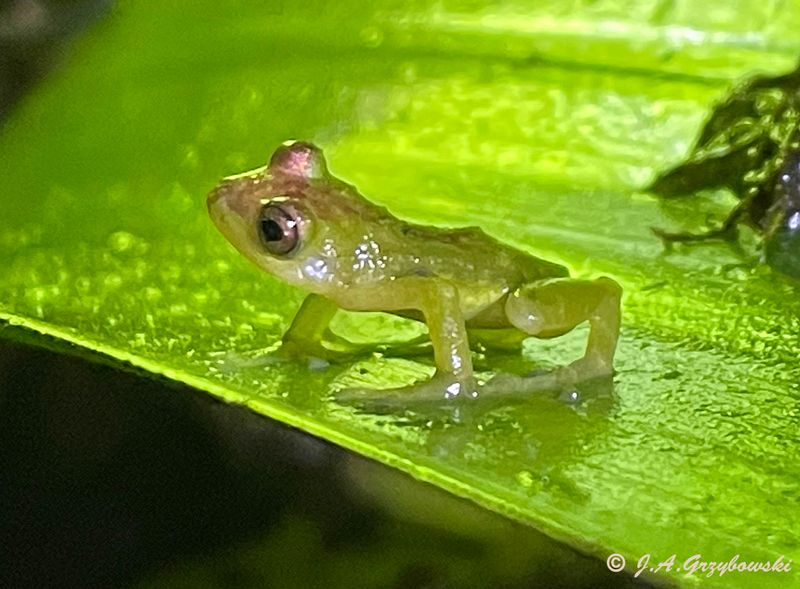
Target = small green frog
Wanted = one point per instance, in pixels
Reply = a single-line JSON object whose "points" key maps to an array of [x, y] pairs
{"points": [[295, 220]]}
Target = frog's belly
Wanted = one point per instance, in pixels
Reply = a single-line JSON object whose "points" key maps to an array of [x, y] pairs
{"points": [[485, 309], [491, 317]]}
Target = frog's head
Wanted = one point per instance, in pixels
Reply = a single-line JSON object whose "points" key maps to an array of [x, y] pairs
{"points": [[267, 213], [782, 224]]}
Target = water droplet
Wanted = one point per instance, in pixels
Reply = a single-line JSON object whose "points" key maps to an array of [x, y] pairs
{"points": [[121, 241], [41, 294], [221, 266], [267, 319], [152, 294], [112, 281], [200, 298], [317, 364], [83, 285], [371, 37], [190, 159], [570, 396], [525, 478]]}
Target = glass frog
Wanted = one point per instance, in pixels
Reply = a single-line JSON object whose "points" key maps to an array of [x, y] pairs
{"points": [[298, 222]]}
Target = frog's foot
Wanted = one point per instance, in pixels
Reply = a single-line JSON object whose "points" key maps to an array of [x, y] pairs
{"points": [[439, 389], [334, 348], [418, 346], [507, 385], [232, 362], [588, 368], [336, 351], [559, 379]]}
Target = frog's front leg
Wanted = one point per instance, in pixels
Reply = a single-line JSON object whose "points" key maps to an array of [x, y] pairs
{"points": [[438, 301], [304, 336], [310, 327], [549, 308]]}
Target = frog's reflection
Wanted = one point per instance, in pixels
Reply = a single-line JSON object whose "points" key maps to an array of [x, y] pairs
{"points": [[536, 437], [537, 432]]}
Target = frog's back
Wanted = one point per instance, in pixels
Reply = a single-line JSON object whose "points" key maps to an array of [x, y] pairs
{"points": [[470, 255]]}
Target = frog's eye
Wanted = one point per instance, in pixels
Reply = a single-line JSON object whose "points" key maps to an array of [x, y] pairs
{"points": [[299, 158], [280, 229]]}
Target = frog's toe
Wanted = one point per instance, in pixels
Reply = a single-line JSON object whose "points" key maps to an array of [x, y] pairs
{"points": [[511, 384], [436, 390], [232, 361], [586, 368], [419, 346], [292, 350], [374, 400], [563, 378]]}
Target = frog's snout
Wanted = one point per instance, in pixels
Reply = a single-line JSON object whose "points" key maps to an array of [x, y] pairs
{"points": [[216, 201], [221, 205], [225, 199], [213, 197]]}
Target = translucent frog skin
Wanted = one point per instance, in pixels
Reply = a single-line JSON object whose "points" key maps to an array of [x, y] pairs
{"points": [[296, 221]]}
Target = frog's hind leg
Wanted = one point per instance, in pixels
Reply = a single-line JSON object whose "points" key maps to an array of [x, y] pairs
{"points": [[497, 340], [549, 308], [438, 302]]}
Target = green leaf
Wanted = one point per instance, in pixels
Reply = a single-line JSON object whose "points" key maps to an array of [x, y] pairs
{"points": [[537, 123]]}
